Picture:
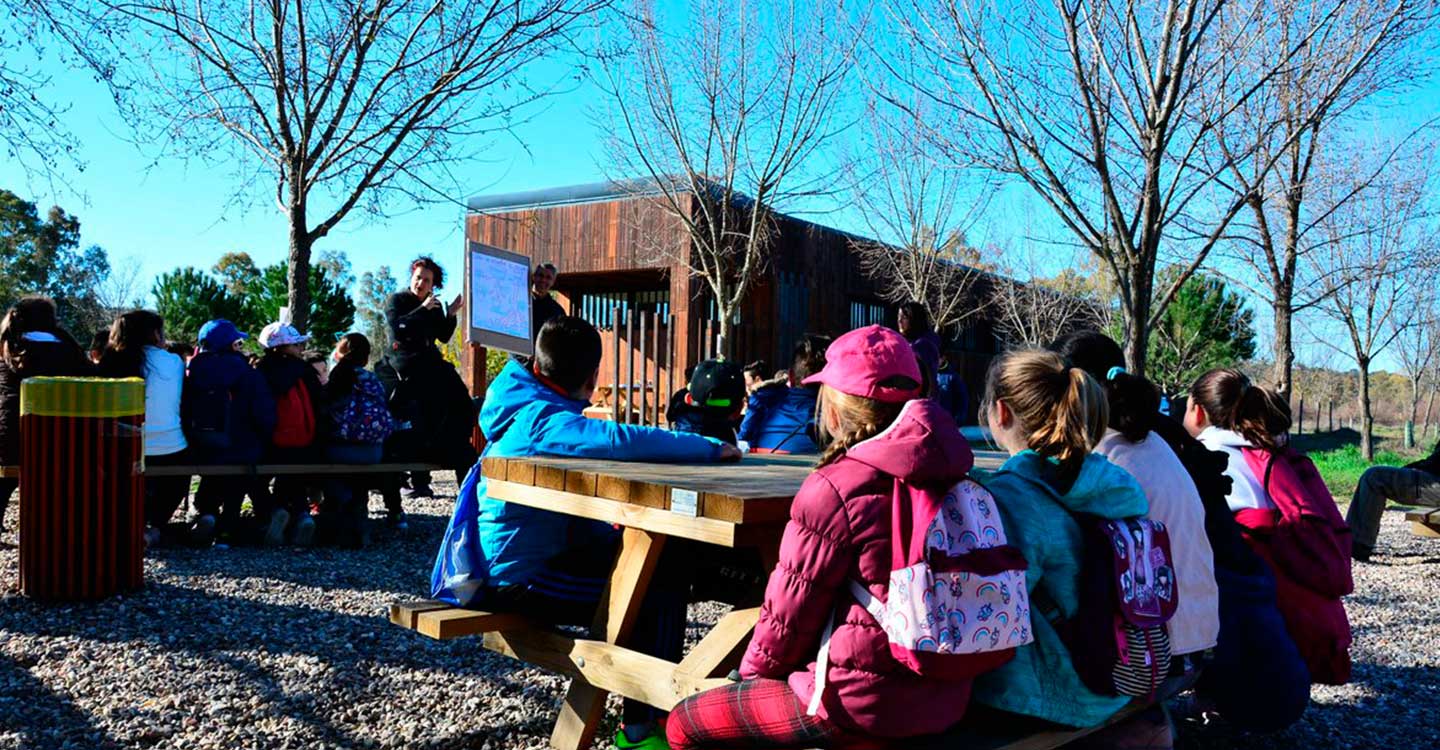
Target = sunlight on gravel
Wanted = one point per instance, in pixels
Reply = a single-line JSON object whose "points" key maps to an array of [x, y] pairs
{"points": [[258, 648]]}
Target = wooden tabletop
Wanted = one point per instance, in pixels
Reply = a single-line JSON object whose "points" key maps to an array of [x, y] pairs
{"points": [[758, 489]]}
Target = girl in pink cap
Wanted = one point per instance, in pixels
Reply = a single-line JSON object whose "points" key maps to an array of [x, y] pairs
{"points": [[882, 439]]}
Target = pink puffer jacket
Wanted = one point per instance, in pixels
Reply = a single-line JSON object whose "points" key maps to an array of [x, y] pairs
{"points": [[839, 530]]}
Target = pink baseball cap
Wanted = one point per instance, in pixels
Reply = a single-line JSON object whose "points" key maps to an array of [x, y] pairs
{"points": [[858, 362]]}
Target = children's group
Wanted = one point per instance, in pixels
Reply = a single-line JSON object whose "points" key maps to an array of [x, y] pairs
{"points": [[223, 401], [1119, 553]]}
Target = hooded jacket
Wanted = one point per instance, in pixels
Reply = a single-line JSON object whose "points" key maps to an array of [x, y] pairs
{"points": [[780, 419], [252, 406], [524, 417], [1041, 681], [839, 530], [282, 372], [42, 356]]}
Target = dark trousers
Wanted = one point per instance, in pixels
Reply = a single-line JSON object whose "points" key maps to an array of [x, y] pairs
{"points": [[165, 495], [222, 497], [289, 493], [568, 590], [7, 488]]}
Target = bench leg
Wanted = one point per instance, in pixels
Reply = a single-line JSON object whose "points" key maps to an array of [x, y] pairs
{"points": [[615, 617]]}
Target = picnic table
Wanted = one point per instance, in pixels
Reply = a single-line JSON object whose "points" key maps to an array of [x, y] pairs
{"points": [[1424, 522], [731, 505]]}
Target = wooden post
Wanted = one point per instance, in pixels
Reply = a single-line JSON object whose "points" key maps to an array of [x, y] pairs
{"points": [[615, 384], [630, 369], [670, 355], [1300, 430], [644, 368], [655, 352], [1332, 416], [476, 377]]}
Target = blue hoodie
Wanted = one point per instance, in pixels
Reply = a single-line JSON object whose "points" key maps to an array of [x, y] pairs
{"points": [[779, 419], [1041, 680], [524, 417], [226, 380]]}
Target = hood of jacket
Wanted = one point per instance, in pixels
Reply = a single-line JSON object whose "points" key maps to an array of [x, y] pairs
{"points": [[282, 372], [1101, 489], [514, 389], [922, 447]]}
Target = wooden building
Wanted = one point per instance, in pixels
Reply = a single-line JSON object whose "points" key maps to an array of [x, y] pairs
{"points": [[614, 250]]}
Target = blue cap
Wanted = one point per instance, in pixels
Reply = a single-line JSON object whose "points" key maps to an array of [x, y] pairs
{"points": [[219, 335]]}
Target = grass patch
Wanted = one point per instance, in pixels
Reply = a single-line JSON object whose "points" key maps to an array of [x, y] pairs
{"points": [[1337, 456]]}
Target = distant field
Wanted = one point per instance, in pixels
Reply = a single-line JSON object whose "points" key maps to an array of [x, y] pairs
{"points": [[1337, 456]]}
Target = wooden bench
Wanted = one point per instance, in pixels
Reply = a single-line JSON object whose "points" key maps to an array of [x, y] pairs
{"points": [[633, 675], [267, 470], [603, 665], [1424, 522]]}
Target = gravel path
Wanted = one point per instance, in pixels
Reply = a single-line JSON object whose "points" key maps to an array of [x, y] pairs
{"points": [[256, 648]]}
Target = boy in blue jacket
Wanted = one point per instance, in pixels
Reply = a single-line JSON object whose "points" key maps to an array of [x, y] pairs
{"points": [[228, 415], [547, 565], [780, 417]]}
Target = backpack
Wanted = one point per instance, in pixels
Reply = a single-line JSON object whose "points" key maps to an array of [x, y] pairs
{"points": [[294, 418], [1310, 541], [956, 604], [366, 417], [207, 418], [1117, 638]]}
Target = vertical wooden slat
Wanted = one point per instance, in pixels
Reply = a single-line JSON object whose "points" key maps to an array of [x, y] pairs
{"points": [[615, 384], [630, 348], [655, 352], [644, 368], [670, 354]]}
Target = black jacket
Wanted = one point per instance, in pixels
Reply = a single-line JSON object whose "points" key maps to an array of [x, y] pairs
{"points": [[415, 330], [542, 309], [1430, 464], [1207, 470], [40, 359], [252, 405]]}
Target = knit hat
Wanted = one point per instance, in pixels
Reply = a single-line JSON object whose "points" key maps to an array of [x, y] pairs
{"points": [[860, 361]]}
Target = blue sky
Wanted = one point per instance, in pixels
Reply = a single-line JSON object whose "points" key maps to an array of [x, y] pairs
{"points": [[159, 211]]}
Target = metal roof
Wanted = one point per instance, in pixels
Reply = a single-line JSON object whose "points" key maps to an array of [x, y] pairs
{"points": [[593, 192]]}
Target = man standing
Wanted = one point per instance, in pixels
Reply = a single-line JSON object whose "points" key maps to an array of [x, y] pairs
{"points": [[543, 307], [1415, 484]]}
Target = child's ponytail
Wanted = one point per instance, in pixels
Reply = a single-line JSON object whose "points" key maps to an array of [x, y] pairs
{"points": [[1061, 408], [1232, 402]]}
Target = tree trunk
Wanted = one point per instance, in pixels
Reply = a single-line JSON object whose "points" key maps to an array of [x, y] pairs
{"points": [[1135, 341], [297, 276], [1367, 420], [1429, 406], [1284, 348], [723, 347], [1414, 410]]}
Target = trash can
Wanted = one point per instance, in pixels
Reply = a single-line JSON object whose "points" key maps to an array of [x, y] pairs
{"points": [[82, 491]]}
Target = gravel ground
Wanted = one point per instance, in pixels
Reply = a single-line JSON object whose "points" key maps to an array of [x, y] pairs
{"points": [[256, 648]]}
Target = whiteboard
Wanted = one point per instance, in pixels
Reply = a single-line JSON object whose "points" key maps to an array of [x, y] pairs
{"points": [[497, 294]]}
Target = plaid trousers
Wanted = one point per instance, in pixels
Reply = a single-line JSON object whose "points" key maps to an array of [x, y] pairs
{"points": [[755, 714]]}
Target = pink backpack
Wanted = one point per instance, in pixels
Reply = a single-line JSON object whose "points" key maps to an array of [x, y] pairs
{"points": [[1310, 540], [956, 605]]}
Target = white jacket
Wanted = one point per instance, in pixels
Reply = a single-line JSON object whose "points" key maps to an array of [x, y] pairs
{"points": [[164, 380]]}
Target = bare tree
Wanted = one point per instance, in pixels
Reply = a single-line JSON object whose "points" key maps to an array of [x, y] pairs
{"points": [[338, 105], [1417, 345], [1103, 108], [1372, 265], [719, 123], [122, 289], [917, 209], [1369, 50], [1029, 309]]}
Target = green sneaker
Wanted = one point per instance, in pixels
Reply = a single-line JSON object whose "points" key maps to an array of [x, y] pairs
{"points": [[656, 741]]}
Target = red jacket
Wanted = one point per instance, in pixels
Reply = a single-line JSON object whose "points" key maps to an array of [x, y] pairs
{"points": [[839, 530]]}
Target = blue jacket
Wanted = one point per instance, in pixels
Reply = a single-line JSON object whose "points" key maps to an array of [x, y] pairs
{"points": [[952, 393], [779, 419], [524, 417], [251, 406], [1041, 680]]}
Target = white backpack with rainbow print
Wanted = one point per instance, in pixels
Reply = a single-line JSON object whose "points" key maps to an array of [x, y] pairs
{"points": [[956, 605]]}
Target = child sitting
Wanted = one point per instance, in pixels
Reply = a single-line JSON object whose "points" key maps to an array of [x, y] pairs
{"points": [[886, 442], [229, 416], [1049, 417], [299, 404], [359, 422], [548, 565], [780, 417], [712, 402], [1286, 512]]}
